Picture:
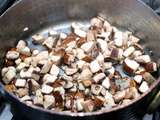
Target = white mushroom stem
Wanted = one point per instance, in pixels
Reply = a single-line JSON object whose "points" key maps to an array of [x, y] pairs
{"points": [[143, 87], [94, 66]]}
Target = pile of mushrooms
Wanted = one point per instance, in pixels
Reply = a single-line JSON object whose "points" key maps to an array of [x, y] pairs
{"points": [[84, 71]]}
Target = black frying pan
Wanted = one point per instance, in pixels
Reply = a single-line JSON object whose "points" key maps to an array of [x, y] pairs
{"points": [[38, 14]]}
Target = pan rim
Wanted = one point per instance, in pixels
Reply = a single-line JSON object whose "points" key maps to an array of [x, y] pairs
{"points": [[85, 114]]}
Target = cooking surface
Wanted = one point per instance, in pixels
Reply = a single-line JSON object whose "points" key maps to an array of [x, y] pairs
{"points": [[5, 113]]}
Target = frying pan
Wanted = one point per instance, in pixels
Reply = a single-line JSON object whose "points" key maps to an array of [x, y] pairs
{"points": [[38, 14]]}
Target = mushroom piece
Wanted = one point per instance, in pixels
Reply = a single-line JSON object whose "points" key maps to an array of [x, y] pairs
{"points": [[88, 46], [43, 55], [107, 65], [49, 42], [63, 35], [87, 83], [143, 87], [60, 89], [80, 53], [21, 66], [80, 64], [137, 53], [128, 51], [55, 58], [38, 38], [46, 67], [38, 98], [9, 74], [68, 85], [94, 66], [49, 101], [85, 74], [25, 74], [53, 33], [99, 77], [54, 70], [20, 83], [18, 61], [20, 45], [116, 53], [148, 78], [118, 39], [96, 22], [151, 67], [143, 59], [46, 89], [109, 99], [103, 44], [106, 83], [119, 96], [130, 66], [96, 89], [138, 78], [79, 105], [70, 71], [88, 105], [21, 92], [48, 78], [26, 98], [35, 52], [90, 35], [25, 51], [12, 55], [33, 85], [80, 32]]}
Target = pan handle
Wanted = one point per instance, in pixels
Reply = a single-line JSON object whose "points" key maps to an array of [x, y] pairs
{"points": [[154, 104]]}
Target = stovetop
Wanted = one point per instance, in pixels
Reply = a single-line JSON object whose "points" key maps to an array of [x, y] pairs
{"points": [[5, 108]]}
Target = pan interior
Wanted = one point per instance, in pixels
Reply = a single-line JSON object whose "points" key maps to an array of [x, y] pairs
{"points": [[65, 27]]}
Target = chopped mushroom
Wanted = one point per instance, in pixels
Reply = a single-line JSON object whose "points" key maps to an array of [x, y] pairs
{"points": [[54, 70], [143, 87], [143, 59], [21, 92], [38, 38], [9, 74], [46, 67], [151, 67], [80, 32], [46, 89], [48, 78], [71, 71], [130, 66], [119, 96], [148, 78], [138, 78], [106, 83], [99, 77], [102, 44], [118, 39], [25, 51], [21, 44], [38, 98], [128, 51], [93, 68], [12, 55], [49, 42], [88, 105], [96, 89], [88, 46], [49, 101], [20, 83]]}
